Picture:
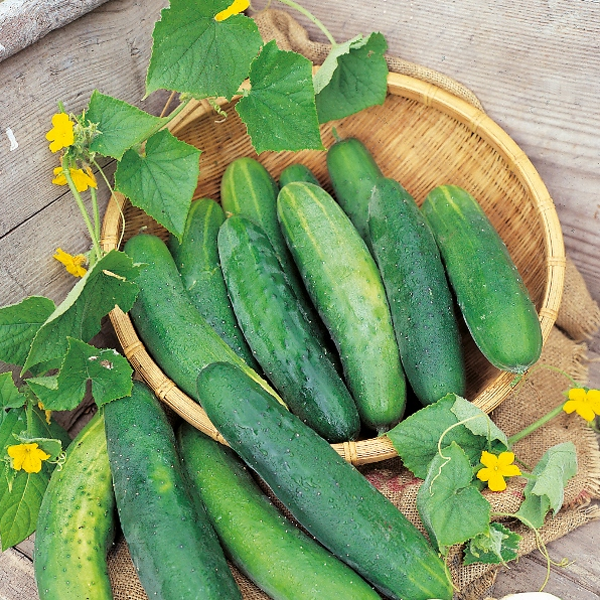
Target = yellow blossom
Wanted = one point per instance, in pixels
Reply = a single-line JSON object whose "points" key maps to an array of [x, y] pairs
{"points": [[585, 403], [40, 405], [236, 7], [496, 468], [61, 135], [28, 457], [83, 179], [73, 264]]}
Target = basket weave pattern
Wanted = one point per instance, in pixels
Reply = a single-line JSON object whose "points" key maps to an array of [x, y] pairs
{"points": [[423, 137]]}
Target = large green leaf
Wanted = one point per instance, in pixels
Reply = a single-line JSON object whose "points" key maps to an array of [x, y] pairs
{"points": [[107, 284], [10, 397], [359, 81], [330, 64], [279, 111], [109, 373], [452, 509], [195, 54], [121, 125], [162, 181], [18, 325]]}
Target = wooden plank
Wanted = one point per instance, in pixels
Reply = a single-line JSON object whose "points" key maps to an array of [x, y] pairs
{"points": [[16, 577]]}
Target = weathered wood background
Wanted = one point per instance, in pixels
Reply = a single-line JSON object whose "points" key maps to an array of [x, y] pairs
{"points": [[532, 63]]}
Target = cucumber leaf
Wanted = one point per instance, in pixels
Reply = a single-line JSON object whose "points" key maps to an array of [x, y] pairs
{"points": [[162, 181], [107, 284], [109, 373], [498, 545], [195, 54], [359, 81], [279, 110], [19, 324], [476, 421], [545, 488], [10, 396], [120, 125], [451, 507], [330, 64]]}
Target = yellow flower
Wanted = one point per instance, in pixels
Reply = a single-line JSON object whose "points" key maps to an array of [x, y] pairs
{"points": [[496, 468], [28, 457], [48, 413], [61, 134], [585, 403], [236, 7], [82, 179], [73, 264]]}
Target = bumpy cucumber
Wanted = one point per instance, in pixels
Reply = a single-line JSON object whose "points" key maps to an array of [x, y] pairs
{"points": [[344, 283], [327, 495], [489, 290], [197, 259], [297, 172], [248, 189], [76, 522], [173, 546], [174, 332], [353, 173], [418, 293], [279, 334], [282, 560]]}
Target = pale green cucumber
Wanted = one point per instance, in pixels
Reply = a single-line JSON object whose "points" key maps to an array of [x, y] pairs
{"points": [[273, 552], [76, 522], [489, 290], [345, 286], [418, 293], [297, 172], [197, 259]]}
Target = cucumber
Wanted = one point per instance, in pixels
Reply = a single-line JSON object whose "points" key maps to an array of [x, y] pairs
{"points": [[177, 336], [353, 173], [173, 546], [248, 189], [326, 494], [345, 286], [418, 293], [76, 522], [197, 260], [297, 172], [279, 334], [489, 290], [275, 554]]}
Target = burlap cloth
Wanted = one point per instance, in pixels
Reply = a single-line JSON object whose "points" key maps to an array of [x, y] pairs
{"points": [[578, 319]]}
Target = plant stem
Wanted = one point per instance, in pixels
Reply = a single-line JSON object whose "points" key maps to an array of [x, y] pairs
{"points": [[310, 16], [536, 425]]}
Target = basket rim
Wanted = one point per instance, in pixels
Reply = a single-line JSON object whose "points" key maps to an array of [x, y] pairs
{"points": [[380, 448]]}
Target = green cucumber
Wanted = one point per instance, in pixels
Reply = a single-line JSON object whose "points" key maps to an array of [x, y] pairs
{"points": [[248, 189], [418, 293], [280, 336], [326, 494], [275, 554], [489, 290], [76, 522], [172, 543], [297, 172], [353, 173], [345, 286], [197, 260], [177, 336]]}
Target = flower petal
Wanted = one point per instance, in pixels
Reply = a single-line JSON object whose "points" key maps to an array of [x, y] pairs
{"points": [[577, 394], [488, 459], [505, 459], [236, 7], [496, 482]]}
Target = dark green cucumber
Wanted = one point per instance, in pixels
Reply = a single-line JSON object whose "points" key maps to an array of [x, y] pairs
{"points": [[197, 259], [279, 334], [345, 286], [353, 173], [172, 543], [297, 172], [283, 561], [489, 290], [177, 336], [418, 293], [76, 522], [248, 189], [326, 494]]}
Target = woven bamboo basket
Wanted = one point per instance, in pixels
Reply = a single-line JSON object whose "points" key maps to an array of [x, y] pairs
{"points": [[423, 137]]}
